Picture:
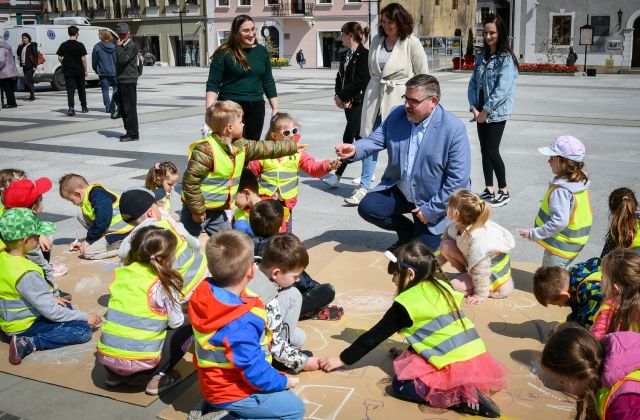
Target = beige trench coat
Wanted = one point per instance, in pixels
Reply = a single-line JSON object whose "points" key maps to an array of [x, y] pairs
{"points": [[385, 88]]}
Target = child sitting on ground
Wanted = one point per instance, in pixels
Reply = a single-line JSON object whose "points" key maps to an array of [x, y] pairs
{"points": [[564, 220], [278, 178], [478, 248], [232, 337], [31, 315], [624, 221], [266, 219], [163, 175], [28, 194], [99, 215], [138, 207], [283, 259], [210, 182], [577, 287], [447, 365], [603, 376], [144, 333]]}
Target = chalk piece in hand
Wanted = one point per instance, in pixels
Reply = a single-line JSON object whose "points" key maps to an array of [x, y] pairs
{"points": [[295, 380]]}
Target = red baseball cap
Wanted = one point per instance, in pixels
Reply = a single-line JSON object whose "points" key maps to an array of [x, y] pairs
{"points": [[23, 193]]}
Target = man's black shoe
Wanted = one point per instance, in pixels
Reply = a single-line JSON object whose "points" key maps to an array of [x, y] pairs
{"points": [[85, 110], [9, 106], [71, 112], [129, 138]]}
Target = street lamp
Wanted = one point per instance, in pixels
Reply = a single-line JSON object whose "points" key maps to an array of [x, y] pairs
{"points": [[586, 39], [181, 49]]}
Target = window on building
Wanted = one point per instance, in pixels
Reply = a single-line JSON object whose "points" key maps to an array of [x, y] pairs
{"points": [[223, 36], [561, 30], [352, 1], [153, 3], [324, 1], [223, 3], [244, 2], [454, 4], [272, 2], [134, 4], [100, 4], [173, 2], [68, 4], [437, 2]]}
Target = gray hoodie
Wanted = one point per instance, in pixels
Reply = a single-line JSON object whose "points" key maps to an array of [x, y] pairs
{"points": [[8, 67], [561, 203], [103, 59]]}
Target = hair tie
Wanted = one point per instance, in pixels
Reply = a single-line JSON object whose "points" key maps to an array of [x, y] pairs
{"points": [[625, 197], [156, 165], [152, 258]]}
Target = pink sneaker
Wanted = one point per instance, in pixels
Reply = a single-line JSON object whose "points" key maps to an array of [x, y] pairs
{"points": [[59, 270]]}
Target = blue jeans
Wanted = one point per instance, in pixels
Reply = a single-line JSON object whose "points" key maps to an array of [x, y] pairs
{"points": [[386, 209], [215, 221], [48, 335], [369, 163], [274, 405], [550, 260], [105, 82]]}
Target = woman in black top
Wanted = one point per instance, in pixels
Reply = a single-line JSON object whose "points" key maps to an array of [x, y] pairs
{"points": [[351, 82], [28, 55]]}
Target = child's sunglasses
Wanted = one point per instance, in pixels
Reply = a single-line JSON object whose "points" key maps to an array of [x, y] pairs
{"points": [[288, 133]]}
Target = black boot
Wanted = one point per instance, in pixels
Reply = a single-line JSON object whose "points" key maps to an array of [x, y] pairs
{"points": [[84, 109], [71, 112]]}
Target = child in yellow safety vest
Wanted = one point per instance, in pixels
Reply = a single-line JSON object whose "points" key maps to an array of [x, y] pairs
{"points": [[564, 219], [145, 333], [478, 248], [602, 375], [99, 214], [163, 175], [30, 313], [278, 178], [624, 221], [447, 365], [210, 182]]}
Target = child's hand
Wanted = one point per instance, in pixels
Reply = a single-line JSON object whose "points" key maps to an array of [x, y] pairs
{"points": [[82, 247], [335, 164], [330, 363], [474, 299], [198, 217], [345, 151], [291, 383], [45, 243], [525, 234], [302, 147], [61, 301], [93, 319], [312, 364]]}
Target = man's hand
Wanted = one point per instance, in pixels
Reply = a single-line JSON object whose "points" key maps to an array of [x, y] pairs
{"points": [[338, 102], [345, 150], [45, 243], [481, 117], [419, 215], [525, 234], [120, 41], [198, 217], [93, 319], [330, 363]]}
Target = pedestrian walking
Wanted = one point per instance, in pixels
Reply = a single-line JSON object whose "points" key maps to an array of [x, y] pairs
{"points": [[103, 62], [128, 70], [8, 73], [28, 53], [73, 56], [572, 57], [300, 59]]}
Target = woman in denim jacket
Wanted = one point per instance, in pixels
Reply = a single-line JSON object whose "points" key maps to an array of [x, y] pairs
{"points": [[490, 93]]}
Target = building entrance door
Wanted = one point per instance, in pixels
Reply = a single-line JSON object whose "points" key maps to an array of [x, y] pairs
{"points": [[635, 54]]}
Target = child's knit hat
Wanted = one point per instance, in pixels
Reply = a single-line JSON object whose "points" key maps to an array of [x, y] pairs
{"points": [[20, 223], [566, 146]]}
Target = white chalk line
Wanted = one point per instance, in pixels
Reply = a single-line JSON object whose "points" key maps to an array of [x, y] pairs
{"points": [[337, 410]]}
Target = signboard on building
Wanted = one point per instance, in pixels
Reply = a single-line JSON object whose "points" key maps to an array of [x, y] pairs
{"points": [[442, 45]]}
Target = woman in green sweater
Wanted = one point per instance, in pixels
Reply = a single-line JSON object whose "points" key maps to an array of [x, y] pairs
{"points": [[240, 71]]}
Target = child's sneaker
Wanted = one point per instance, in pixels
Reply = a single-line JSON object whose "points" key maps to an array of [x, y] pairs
{"points": [[331, 180], [501, 199], [205, 411], [112, 380], [59, 270], [19, 348], [329, 313], [162, 381], [487, 196], [485, 407]]}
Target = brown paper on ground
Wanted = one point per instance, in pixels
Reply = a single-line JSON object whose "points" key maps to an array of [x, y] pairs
{"points": [[75, 367], [513, 330]]}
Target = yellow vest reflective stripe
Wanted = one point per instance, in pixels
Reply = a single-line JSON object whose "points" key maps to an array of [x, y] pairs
{"points": [[241, 214], [209, 356], [131, 329], [221, 185], [436, 335], [117, 226], [191, 264], [604, 394], [280, 176], [16, 313], [570, 241], [500, 271], [635, 243]]}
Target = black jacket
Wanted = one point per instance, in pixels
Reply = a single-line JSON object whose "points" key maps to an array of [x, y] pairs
{"points": [[127, 63], [351, 82], [31, 57]]}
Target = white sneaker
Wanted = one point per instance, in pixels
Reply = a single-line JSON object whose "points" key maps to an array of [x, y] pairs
{"points": [[356, 181], [331, 180], [358, 195]]}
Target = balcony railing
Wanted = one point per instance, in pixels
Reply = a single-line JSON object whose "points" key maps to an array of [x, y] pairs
{"points": [[284, 8]]}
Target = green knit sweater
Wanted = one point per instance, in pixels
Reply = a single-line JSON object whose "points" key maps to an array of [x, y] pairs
{"points": [[231, 81]]}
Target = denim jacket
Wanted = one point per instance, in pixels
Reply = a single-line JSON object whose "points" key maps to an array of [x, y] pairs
{"points": [[497, 78]]}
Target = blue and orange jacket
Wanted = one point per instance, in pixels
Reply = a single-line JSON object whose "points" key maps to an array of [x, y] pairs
{"points": [[238, 330]]}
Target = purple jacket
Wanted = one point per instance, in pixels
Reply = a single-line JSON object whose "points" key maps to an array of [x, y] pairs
{"points": [[7, 61], [621, 359]]}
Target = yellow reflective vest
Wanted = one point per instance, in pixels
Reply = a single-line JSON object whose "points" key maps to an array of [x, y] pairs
{"points": [[221, 184], [500, 271], [569, 242], [605, 394], [117, 225], [280, 176], [132, 330], [192, 265], [437, 334], [16, 313]]}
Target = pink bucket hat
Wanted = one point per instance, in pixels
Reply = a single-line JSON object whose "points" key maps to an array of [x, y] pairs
{"points": [[566, 146]]}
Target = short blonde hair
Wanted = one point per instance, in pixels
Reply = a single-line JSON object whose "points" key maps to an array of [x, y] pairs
{"points": [[222, 113], [229, 257], [71, 182], [105, 35], [472, 210]]}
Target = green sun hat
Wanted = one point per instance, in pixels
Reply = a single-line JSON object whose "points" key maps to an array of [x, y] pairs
{"points": [[20, 223]]}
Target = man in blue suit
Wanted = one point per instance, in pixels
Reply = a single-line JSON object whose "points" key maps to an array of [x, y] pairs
{"points": [[428, 159]]}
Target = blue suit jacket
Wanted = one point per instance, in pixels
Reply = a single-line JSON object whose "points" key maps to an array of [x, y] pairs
{"points": [[442, 164]]}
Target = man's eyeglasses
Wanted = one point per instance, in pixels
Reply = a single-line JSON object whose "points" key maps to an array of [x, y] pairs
{"points": [[414, 102], [288, 133]]}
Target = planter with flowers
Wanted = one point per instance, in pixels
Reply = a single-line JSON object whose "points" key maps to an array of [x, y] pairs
{"points": [[278, 63], [548, 69]]}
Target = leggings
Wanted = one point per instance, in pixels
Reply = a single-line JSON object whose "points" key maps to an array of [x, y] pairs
{"points": [[351, 131], [253, 118], [490, 135]]}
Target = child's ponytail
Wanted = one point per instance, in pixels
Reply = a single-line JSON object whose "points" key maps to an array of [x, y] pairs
{"points": [[472, 211], [623, 226], [159, 172], [572, 352], [621, 279], [156, 247], [572, 170]]}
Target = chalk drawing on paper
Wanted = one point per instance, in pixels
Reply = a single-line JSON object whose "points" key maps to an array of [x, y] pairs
{"points": [[371, 406], [87, 285], [363, 302], [323, 402]]}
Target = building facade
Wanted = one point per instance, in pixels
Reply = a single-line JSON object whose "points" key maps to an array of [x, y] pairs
{"points": [[21, 12]]}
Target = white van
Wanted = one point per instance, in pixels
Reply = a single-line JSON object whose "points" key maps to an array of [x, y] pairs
{"points": [[49, 38]]}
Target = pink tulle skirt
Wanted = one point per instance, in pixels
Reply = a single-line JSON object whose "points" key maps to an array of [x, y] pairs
{"points": [[453, 384]]}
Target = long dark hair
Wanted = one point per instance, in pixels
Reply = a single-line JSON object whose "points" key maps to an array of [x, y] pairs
{"points": [[623, 225], [233, 46], [621, 268], [503, 42]]}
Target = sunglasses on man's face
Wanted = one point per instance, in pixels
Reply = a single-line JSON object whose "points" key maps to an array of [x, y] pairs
{"points": [[288, 133]]}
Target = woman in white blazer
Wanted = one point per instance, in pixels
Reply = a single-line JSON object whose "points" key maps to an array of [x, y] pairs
{"points": [[395, 56]]}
